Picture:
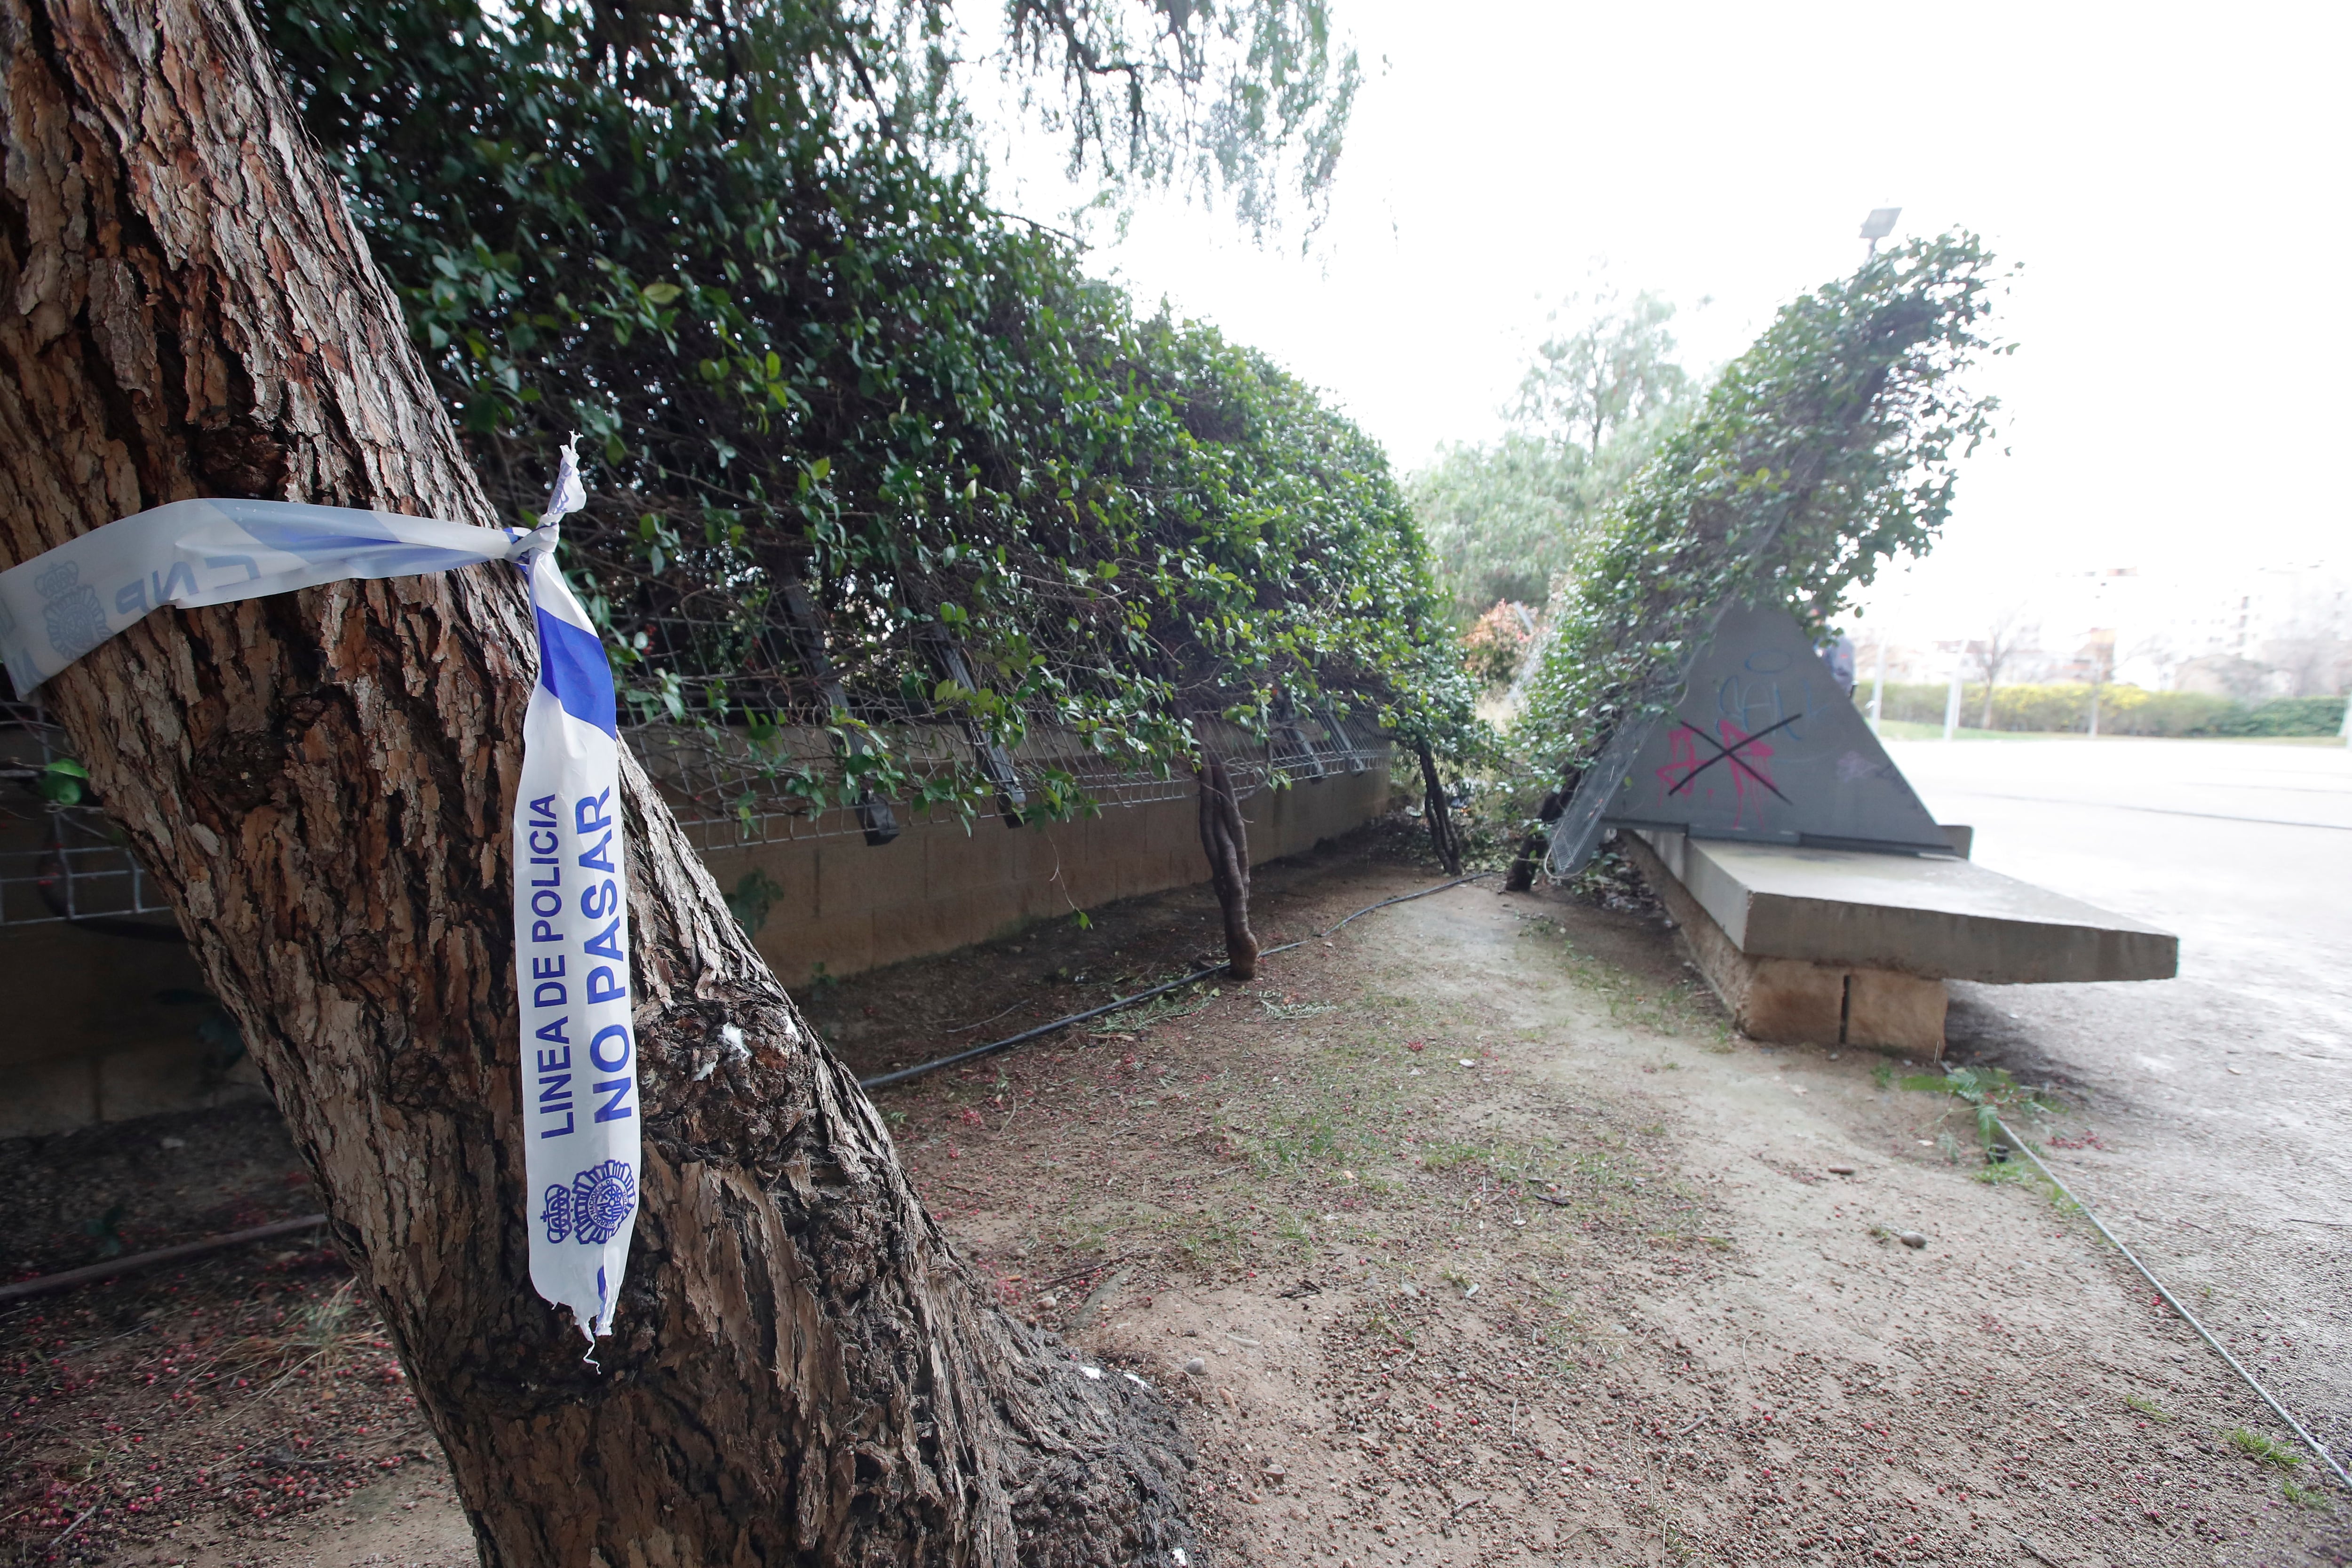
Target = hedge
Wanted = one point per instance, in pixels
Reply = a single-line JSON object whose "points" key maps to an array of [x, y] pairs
{"points": [[2065, 708]]}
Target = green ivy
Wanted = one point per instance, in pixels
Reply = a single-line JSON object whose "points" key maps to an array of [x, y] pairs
{"points": [[1828, 448], [747, 257]]}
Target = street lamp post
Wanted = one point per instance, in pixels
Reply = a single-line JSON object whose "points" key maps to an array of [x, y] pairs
{"points": [[1878, 688], [1877, 226]]}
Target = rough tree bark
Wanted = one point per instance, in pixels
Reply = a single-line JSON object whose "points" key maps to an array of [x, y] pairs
{"points": [[1225, 839], [1440, 825], [802, 1371]]}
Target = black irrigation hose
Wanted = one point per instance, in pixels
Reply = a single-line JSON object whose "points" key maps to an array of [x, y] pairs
{"points": [[18, 1289], [2177, 1305], [885, 1080]]}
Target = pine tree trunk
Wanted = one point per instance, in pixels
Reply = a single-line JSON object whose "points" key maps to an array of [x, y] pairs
{"points": [[802, 1371], [1224, 839]]}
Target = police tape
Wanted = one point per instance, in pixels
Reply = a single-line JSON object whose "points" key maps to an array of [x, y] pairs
{"points": [[580, 1145]]}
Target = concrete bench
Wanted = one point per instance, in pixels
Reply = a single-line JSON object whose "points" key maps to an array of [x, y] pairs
{"points": [[1849, 947]]}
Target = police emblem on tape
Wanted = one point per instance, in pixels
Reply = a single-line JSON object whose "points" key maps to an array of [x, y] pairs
{"points": [[592, 1209]]}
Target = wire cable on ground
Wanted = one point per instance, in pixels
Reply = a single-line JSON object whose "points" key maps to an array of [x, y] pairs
{"points": [[885, 1080], [2314, 1444]]}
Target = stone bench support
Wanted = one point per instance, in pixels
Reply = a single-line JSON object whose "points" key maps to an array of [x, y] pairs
{"points": [[1845, 947]]}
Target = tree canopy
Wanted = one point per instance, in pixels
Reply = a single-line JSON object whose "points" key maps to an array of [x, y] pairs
{"points": [[747, 250]]}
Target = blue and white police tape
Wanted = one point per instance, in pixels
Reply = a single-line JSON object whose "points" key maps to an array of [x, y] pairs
{"points": [[571, 886]]}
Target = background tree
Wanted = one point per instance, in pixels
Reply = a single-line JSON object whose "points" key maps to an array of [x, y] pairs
{"points": [[1498, 643], [2009, 633], [1506, 519], [320, 781], [2313, 643], [1614, 369], [2160, 652], [2097, 658], [1502, 521]]}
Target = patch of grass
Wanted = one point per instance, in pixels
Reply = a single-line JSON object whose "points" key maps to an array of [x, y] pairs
{"points": [[2016, 1173], [2286, 1455], [328, 1319], [1919, 729], [1139, 1018], [1315, 1137], [2311, 1498], [1674, 1007], [1337, 1118], [2148, 1407], [1989, 1091], [1883, 1074], [1208, 1239], [1080, 1238], [1436, 1156]]}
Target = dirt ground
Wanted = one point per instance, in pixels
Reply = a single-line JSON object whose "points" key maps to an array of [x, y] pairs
{"points": [[1466, 1234]]}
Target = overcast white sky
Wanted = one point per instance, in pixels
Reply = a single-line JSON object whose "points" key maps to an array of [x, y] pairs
{"points": [[2174, 182]]}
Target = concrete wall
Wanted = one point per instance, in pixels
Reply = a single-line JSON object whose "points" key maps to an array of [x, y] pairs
{"points": [[851, 906], [88, 1036], [85, 1037]]}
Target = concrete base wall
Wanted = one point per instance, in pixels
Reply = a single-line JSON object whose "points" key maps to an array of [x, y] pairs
{"points": [[1793, 1001], [849, 906], [88, 1038]]}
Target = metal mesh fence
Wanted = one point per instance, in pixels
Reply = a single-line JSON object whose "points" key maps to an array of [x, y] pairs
{"points": [[59, 861], [65, 861], [728, 790]]}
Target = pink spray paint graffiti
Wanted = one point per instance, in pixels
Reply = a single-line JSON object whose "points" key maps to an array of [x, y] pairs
{"points": [[1745, 754]]}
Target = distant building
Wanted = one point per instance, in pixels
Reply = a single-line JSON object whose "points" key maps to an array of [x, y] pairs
{"points": [[2246, 632]]}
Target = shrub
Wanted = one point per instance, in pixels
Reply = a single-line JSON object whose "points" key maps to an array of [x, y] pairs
{"points": [[1495, 645], [2064, 708], [2288, 716]]}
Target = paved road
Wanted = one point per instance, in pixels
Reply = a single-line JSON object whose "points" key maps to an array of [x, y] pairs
{"points": [[2224, 1097]]}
